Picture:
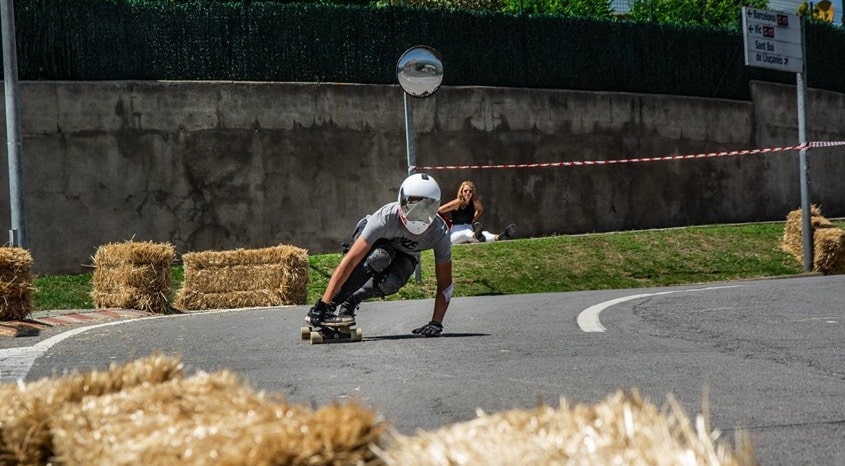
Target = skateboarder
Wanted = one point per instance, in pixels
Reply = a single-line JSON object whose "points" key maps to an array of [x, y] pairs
{"points": [[385, 252]]}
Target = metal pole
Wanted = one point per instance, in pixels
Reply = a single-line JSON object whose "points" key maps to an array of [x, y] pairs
{"points": [[806, 226], [409, 136], [17, 234], [412, 159]]}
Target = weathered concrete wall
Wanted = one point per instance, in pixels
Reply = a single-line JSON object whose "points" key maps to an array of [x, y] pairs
{"points": [[221, 165], [776, 116]]}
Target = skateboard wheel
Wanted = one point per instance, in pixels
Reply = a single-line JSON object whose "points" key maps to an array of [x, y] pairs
{"points": [[316, 338], [357, 334], [305, 332]]}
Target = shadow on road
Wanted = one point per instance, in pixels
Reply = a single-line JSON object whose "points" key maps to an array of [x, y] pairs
{"points": [[411, 336]]}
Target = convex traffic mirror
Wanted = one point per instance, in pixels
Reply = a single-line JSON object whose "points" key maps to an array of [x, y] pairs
{"points": [[420, 71]]}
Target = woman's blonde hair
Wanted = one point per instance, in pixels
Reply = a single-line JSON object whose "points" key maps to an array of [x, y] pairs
{"points": [[466, 184]]}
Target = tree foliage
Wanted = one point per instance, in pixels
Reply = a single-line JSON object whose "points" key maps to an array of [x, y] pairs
{"points": [[474, 5], [584, 8], [716, 13]]}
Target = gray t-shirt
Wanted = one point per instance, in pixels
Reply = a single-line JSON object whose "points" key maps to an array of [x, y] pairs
{"points": [[386, 224]]}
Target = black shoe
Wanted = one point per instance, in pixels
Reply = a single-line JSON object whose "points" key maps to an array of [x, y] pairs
{"points": [[345, 316], [478, 232], [508, 233]]}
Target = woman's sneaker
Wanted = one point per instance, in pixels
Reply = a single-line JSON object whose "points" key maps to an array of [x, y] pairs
{"points": [[478, 232], [510, 230]]}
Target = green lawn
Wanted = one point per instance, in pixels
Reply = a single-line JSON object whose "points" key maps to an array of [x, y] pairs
{"points": [[630, 259]]}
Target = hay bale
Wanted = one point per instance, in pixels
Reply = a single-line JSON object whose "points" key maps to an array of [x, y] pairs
{"points": [[198, 300], [829, 251], [270, 276], [793, 239], [16, 278], [623, 429], [211, 419], [145, 412], [133, 275], [27, 410], [828, 242]]}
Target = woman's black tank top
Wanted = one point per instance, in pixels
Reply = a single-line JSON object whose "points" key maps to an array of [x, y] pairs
{"points": [[463, 216]]}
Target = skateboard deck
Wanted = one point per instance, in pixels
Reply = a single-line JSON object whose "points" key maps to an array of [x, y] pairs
{"points": [[319, 335]]}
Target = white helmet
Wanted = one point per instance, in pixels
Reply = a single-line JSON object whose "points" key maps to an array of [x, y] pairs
{"points": [[419, 199]]}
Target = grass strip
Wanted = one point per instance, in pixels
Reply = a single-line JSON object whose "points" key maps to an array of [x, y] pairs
{"points": [[630, 259]]}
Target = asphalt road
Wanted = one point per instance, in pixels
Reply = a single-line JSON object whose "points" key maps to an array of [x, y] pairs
{"points": [[770, 355]]}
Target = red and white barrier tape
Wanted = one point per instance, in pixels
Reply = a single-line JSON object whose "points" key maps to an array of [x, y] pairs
{"points": [[580, 163], [827, 143]]}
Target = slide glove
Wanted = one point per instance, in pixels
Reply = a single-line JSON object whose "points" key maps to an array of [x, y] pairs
{"points": [[431, 329]]}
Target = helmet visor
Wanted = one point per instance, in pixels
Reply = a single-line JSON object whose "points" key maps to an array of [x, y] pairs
{"points": [[419, 209]]}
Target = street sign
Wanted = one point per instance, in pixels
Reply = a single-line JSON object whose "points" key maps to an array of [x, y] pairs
{"points": [[772, 40], [776, 41]]}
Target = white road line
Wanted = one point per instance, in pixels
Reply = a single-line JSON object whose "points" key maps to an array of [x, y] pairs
{"points": [[15, 363], [588, 319]]}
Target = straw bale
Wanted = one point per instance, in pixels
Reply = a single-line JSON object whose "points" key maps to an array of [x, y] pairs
{"points": [[27, 410], [793, 239], [14, 261], [828, 243], [146, 412], [623, 429], [198, 300], [211, 419], [270, 255], [16, 279], [829, 251], [133, 275], [131, 298], [270, 276], [237, 278], [135, 252]]}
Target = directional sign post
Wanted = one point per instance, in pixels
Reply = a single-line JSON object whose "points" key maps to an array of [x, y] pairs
{"points": [[775, 41]]}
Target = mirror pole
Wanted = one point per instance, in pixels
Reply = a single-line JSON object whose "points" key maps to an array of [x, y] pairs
{"points": [[409, 136]]}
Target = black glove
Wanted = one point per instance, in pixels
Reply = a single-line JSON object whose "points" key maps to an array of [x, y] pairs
{"points": [[320, 312], [431, 329], [320, 306]]}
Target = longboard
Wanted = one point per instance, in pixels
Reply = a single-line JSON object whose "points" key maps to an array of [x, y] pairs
{"points": [[331, 333]]}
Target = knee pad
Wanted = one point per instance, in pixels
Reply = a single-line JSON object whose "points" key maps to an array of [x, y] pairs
{"points": [[390, 283], [379, 259]]}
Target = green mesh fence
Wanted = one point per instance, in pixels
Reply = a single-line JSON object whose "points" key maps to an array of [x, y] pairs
{"points": [[272, 41]]}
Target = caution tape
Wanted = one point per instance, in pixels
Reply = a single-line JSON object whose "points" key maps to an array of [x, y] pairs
{"points": [[827, 143], [582, 163]]}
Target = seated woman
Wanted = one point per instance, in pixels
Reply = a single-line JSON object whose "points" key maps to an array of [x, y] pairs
{"points": [[465, 211]]}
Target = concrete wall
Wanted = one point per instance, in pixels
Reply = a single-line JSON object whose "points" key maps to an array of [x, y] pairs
{"points": [[225, 165]]}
